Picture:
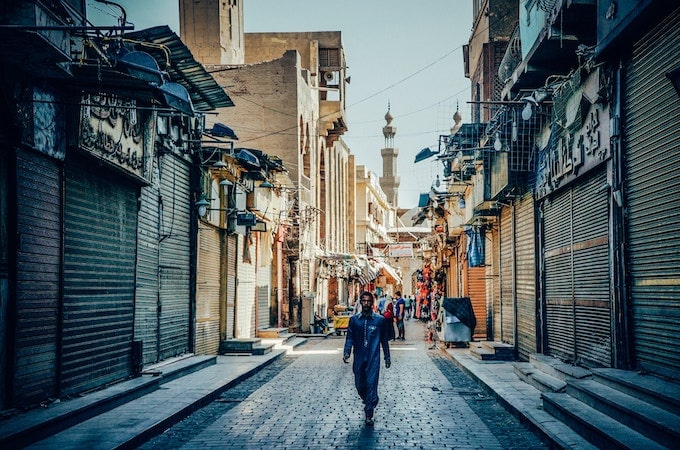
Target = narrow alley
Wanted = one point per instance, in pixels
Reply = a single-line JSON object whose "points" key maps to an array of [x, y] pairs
{"points": [[307, 400]]}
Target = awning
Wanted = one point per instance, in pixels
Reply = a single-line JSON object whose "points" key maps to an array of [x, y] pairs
{"points": [[206, 93], [390, 271]]}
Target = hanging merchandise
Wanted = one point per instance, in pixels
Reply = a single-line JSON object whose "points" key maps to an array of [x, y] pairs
{"points": [[476, 247]]}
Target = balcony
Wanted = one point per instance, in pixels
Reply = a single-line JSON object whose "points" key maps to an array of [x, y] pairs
{"points": [[46, 32], [549, 39]]}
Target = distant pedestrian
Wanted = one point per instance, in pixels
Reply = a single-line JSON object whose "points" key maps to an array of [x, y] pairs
{"points": [[388, 314], [407, 306], [366, 333], [399, 311], [382, 301]]}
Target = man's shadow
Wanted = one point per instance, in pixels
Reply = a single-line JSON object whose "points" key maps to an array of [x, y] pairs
{"points": [[365, 437]]}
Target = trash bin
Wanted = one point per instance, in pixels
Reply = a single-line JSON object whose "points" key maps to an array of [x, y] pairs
{"points": [[459, 319]]}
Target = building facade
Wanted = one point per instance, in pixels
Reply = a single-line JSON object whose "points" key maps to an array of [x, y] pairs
{"points": [[291, 104], [97, 201]]}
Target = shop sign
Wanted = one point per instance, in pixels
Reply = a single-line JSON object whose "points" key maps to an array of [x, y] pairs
{"points": [[112, 129], [404, 250], [573, 154]]}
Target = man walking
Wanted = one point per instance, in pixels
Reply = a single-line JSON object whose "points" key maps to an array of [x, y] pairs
{"points": [[399, 310], [366, 333]]}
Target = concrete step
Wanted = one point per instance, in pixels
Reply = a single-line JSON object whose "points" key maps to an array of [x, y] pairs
{"points": [[241, 345], [289, 343], [174, 368], [546, 383], [597, 427], [528, 373], [652, 421], [647, 387], [261, 349], [39, 423], [487, 352], [523, 370], [557, 368], [272, 333], [499, 348]]}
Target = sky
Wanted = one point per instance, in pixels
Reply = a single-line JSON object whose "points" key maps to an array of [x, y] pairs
{"points": [[400, 53]]}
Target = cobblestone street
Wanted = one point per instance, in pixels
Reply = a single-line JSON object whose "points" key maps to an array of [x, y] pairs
{"points": [[307, 400]]}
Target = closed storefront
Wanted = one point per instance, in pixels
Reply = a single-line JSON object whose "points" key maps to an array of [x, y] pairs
{"points": [[174, 256], [477, 294], [577, 272], [516, 305], [100, 230], [146, 295], [208, 289], [231, 282], [505, 321], [246, 307], [573, 189], [525, 276], [37, 287], [652, 164]]}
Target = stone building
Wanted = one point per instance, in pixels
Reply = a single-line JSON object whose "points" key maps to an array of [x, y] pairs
{"points": [[289, 91]]}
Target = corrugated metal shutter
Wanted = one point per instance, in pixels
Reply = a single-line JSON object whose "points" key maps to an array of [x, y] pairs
{"points": [[146, 293], [525, 275], [231, 261], [37, 270], [652, 153], [592, 272], [100, 230], [175, 256], [494, 285], [262, 307], [558, 276], [208, 290], [477, 294], [577, 273], [245, 304], [506, 333], [264, 280]]}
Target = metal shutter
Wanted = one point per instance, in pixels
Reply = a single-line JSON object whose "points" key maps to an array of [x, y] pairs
{"points": [[38, 260], [175, 256], [100, 229], [231, 282], [208, 290], [146, 293], [477, 294], [525, 276], [506, 333], [592, 272], [577, 273], [558, 287], [652, 153]]}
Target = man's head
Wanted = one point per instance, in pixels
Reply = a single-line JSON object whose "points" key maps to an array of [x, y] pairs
{"points": [[366, 299], [398, 294]]}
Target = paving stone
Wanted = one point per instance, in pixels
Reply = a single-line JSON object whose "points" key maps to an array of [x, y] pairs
{"points": [[307, 400]]}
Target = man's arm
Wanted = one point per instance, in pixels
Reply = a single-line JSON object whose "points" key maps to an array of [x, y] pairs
{"points": [[349, 341]]}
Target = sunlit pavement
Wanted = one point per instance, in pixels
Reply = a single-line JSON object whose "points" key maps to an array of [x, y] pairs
{"points": [[312, 404]]}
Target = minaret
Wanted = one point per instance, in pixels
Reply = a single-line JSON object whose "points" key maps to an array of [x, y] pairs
{"points": [[457, 119], [389, 181]]}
